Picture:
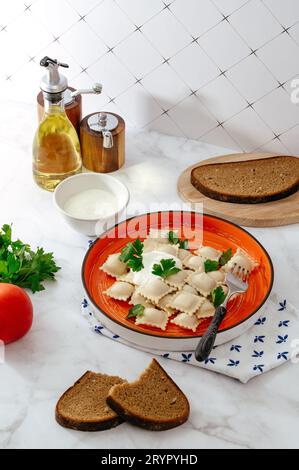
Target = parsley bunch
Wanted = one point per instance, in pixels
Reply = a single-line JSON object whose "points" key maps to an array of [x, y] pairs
{"points": [[22, 266]]}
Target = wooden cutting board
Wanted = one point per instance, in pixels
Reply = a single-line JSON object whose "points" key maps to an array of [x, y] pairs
{"points": [[270, 214]]}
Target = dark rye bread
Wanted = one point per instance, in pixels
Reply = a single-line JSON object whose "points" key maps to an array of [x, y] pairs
{"points": [[83, 406], [153, 401], [250, 181]]}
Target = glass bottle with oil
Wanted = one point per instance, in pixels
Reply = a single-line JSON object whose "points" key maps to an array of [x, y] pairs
{"points": [[56, 146]]}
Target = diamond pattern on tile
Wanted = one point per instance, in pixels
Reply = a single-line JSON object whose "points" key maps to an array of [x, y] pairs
{"points": [[165, 86], [83, 52], [20, 84], [222, 138], [114, 77], [274, 146], [224, 45], [294, 32], [277, 110], [85, 6], [194, 66], [165, 125], [290, 140], [139, 60], [248, 129], [56, 15], [228, 6], [166, 33], [221, 98], [197, 17], [12, 57], [140, 12], [19, 29], [259, 80], [11, 11], [256, 33], [287, 12], [205, 60], [192, 117], [138, 106], [110, 23], [281, 56]]}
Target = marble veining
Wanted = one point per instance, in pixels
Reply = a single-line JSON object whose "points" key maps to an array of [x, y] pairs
{"points": [[60, 347]]}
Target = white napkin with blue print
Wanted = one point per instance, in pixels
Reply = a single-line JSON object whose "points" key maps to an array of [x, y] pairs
{"points": [[271, 342]]}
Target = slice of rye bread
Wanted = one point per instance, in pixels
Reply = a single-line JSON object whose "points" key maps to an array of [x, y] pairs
{"points": [[153, 401], [83, 406], [250, 181]]}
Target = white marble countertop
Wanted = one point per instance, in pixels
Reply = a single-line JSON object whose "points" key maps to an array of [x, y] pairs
{"points": [[60, 347]]}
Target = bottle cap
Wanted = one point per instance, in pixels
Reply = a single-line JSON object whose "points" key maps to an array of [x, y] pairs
{"points": [[53, 82]]}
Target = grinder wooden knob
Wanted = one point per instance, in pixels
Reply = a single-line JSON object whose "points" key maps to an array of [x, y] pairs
{"points": [[102, 137]]}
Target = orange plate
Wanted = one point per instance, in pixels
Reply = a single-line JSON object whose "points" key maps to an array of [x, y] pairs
{"points": [[217, 233]]}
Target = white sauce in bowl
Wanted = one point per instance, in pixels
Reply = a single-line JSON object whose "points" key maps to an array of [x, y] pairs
{"points": [[92, 204]]}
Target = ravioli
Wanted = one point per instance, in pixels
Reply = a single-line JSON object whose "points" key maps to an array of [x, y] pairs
{"points": [[153, 317]]}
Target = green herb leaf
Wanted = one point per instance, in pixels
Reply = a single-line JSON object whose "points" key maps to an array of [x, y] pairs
{"points": [[13, 263], [184, 244], [132, 255], [3, 268], [211, 265], [136, 311], [218, 296], [174, 240], [165, 268], [135, 264], [225, 257], [22, 266], [127, 252]]}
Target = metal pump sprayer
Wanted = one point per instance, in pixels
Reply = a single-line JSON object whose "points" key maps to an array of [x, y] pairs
{"points": [[54, 86]]}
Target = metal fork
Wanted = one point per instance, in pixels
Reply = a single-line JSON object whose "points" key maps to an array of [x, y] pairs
{"points": [[237, 283]]}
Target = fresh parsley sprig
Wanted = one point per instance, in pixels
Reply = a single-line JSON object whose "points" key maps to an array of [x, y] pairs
{"points": [[165, 268], [22, 266], [225, 257], [131, 254], [174, 240], [211, 265], [218, 296], [136, 311]]}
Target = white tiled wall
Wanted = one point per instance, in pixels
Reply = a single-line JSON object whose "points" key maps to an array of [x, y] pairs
{"points": [[215, 70]]}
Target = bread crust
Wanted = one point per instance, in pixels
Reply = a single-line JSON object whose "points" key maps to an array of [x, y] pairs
{"points": [[91, 425], [240, 199], [142, 421], [88, 426]]}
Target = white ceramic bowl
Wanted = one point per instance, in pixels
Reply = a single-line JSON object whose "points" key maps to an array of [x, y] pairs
{"points": [[83, 182]]}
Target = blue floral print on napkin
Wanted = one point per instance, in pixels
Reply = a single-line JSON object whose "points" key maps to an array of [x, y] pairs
{"points": [[261, 348]]}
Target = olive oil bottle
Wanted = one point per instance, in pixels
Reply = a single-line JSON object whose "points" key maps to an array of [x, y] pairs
{"points": [[56, 146]]}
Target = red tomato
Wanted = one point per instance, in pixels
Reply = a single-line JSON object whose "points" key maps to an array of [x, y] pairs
{"points": [[16, 313]]}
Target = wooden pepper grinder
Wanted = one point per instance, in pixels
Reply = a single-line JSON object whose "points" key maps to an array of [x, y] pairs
{"points": [[102, 137]]}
